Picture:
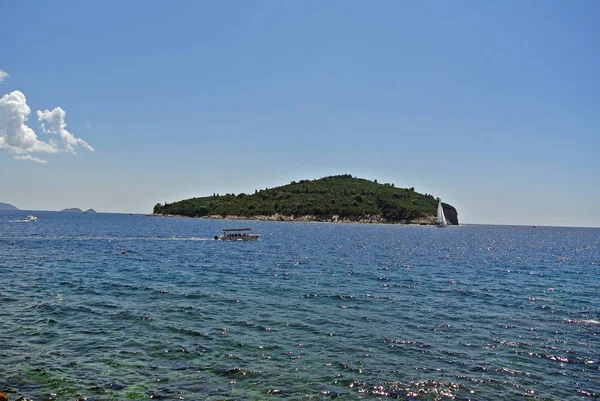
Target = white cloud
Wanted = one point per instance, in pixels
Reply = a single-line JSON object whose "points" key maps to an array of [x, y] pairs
{"points": [[3, 75], [55, 124], [17, 137], [33, 159]]}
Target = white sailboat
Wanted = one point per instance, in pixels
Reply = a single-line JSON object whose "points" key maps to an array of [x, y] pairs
{"points": [[441, 219]]}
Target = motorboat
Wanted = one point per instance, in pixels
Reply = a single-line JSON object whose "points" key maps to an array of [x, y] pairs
{"points": [[30, 218], [237, 234]]}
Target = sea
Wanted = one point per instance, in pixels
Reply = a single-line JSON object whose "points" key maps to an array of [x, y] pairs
{"points": [[102, 306]]}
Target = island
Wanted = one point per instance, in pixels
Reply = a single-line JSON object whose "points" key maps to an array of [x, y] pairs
{"points": [[7, 206], [339, 198], [77, 210]]}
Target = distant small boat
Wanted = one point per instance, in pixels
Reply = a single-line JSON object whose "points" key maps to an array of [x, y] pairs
{"points": [[441, 219], [237, 234], [30, 218]]}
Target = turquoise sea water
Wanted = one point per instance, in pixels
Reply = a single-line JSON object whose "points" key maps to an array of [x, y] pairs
{"points": [[310, 311]]}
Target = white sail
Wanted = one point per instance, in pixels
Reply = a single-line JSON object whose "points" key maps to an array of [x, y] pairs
{"points": [[441, 219]]}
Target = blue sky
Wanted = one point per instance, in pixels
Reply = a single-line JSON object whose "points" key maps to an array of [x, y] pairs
{"points": [[492, 106]]}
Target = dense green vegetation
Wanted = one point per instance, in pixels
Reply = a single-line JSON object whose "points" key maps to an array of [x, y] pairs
{"points": [[342, 195]]}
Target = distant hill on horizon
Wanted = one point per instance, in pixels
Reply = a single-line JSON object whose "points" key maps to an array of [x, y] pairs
{"points": [[78, 210], [340, 198], [7, 206]]}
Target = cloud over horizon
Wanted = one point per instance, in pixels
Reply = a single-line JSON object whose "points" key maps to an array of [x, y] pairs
{"points": [[17, 137], [33, 159]]}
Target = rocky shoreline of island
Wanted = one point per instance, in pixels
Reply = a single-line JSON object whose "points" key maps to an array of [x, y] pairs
{"points": [[427, 220]]}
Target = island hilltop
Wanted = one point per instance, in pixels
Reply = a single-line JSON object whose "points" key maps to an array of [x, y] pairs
{"points": [[340, 198], [7, 206]]}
